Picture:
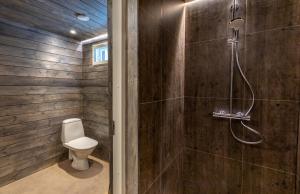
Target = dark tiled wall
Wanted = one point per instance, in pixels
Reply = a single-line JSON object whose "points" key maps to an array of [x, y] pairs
{"points": [[270, 55], [161, 95]]}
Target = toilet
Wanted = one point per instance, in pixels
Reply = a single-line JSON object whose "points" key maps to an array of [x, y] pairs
{"points": [[80, 146]]}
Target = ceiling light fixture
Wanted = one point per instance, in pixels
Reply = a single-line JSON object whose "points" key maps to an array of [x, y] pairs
{"points": [[95, 39], [72, 31], [82, 17]]}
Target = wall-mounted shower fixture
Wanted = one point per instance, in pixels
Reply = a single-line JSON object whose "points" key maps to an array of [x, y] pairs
{"points": [[235, 25], [236, 116]]}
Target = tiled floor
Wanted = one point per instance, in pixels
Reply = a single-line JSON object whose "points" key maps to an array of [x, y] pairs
{"points": [[63, 179]]}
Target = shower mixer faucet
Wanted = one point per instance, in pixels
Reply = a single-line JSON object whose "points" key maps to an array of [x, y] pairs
{"points": [[236, 24]]}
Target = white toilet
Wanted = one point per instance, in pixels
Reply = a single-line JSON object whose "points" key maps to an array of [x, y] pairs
{"points": [[80, 146]]}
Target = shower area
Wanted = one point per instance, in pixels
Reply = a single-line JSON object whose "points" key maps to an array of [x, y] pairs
{"points": [[219, 91]]}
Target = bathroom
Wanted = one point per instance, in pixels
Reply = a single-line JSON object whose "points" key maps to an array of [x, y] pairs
{"points": [[54, 68], [150, 96]]}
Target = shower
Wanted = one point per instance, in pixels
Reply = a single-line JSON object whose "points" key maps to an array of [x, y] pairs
{"points": [[235, 25]]}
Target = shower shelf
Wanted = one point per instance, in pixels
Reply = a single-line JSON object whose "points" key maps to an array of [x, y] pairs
{"points": [[231, 116]]}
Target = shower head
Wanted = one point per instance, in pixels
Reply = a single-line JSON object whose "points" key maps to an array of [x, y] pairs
{"points": [[236, 24]]}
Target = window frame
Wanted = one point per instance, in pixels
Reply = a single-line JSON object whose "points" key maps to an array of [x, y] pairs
{"points": [[93, 53]]}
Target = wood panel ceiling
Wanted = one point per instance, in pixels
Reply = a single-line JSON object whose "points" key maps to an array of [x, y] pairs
{"points": [[58, 16]]}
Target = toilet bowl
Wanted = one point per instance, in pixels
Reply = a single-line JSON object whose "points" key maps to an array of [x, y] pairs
{"points": [[80, 146]]}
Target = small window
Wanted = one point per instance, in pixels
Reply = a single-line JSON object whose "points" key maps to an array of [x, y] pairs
{"points": [[100, 53]]}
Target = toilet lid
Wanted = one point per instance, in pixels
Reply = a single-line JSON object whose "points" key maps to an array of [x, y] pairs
{"points": [[82, 143]]}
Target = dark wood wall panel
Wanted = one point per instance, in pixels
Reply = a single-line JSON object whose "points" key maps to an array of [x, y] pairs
{"points": [[37, 55], [96, 101], [34, 45], [40, 77], [25, 62], [36, 81]]}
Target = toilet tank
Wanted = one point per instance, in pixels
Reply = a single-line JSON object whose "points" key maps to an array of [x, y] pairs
{"points": [[71, 129]]}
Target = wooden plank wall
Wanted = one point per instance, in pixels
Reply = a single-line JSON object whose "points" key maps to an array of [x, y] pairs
{"points": [[40, 77], [96, 102]]}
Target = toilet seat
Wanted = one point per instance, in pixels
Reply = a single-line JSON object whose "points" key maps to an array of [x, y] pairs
{"points": [[82, 143]]}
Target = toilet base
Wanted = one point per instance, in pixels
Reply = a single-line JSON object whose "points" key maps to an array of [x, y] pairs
{"points": [[80, 164]]}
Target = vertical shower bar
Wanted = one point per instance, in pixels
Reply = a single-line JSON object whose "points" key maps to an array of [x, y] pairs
{"points": [[231, 76], [233, 9]]}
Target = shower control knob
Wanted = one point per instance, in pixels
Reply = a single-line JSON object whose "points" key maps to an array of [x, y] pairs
{"points": [[222, 112], [240, 114]]}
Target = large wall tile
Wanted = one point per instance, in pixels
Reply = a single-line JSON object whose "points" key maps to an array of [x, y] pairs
{"points": [[260, 180], [173, 17], [273, 64], [269, 14], [207, 72], [149, 144], [278, 123], [155, 188], [206, 133], [212, 174], [297, 184], [172, 48], [171, 180], [206, 20], [172, 141], [152, 7], [150, 68], [173, 66], [190, 187]]}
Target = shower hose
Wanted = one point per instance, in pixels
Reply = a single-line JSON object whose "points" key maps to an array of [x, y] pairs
{"points": [[235, 57]]}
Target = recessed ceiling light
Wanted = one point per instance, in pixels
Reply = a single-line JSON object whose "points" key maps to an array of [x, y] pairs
{"points": [[82, 17], [72, 31], [95, 39]]}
